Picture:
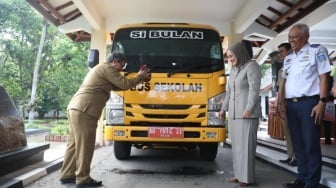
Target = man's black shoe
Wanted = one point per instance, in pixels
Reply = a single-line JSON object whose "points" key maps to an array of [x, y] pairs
{"points": [[68, 181], [327, 141], [285, 160], [295, 184], [293, 162], [311, 186], [91, 183]]}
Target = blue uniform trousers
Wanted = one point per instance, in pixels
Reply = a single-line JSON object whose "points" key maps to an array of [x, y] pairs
{"points": [[305, 139]]}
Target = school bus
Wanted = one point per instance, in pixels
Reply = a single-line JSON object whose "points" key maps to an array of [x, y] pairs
{"points": [[178, 107]]}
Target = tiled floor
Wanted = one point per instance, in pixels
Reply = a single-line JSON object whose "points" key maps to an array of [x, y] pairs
{"points": [[56, 150], [327, 150], [271, 150]]}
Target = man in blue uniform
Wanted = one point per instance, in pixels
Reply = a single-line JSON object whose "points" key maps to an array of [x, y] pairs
{"points": [[306, 70]]}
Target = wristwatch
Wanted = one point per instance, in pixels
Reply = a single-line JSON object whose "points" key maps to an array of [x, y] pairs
{"points": [[324, 100]]}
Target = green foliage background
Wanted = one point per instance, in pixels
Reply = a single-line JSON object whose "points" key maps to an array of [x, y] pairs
{"points": [[63, 64]]}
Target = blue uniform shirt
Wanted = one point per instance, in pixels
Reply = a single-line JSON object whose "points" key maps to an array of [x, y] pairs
{"points": [[301, 70]]}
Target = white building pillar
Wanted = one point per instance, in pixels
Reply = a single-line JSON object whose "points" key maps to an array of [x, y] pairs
{"points": [[99, 42]]}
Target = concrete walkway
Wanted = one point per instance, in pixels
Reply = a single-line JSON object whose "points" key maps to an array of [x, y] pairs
{"points": [[53, 159]]}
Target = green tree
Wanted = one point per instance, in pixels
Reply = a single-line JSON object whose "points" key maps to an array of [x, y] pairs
{"points": [[65, 74], [18, 31], [264, 67], [36, 72], [62, 65]]}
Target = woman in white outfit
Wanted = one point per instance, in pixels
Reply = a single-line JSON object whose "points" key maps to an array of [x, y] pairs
{"points": [[242, 103]]}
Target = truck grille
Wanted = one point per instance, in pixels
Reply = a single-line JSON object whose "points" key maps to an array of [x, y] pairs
{"points": [[167, 107], [165, 116]]}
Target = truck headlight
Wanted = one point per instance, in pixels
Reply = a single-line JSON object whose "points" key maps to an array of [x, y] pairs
{"points": [[214, 105], [115, 110]]}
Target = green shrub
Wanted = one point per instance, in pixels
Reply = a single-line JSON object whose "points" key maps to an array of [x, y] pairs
{"points": [[60, 129]]}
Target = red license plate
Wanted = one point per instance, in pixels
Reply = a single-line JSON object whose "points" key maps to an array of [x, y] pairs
{"points": [[165, 132]]}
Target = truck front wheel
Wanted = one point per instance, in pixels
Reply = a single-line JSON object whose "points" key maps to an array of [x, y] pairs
{"points": [[208, 151], [122, 150]]}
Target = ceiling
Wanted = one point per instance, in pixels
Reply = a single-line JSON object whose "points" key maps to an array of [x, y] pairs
{"points": [[264, 22]]}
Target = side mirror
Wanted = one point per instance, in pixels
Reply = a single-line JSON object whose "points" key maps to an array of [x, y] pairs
{"points": [[93, 58]]}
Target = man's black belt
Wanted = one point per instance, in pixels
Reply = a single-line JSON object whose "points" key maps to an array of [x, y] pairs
{"points": [[298, 99]]}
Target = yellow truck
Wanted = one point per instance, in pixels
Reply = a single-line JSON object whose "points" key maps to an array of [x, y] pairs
{"points": [[179, 106]]}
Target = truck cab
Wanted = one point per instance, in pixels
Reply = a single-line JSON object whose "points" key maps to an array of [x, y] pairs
{"points": [[179, 106]]}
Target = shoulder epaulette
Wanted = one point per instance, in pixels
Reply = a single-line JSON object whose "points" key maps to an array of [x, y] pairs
{"points": [[315, 45]]}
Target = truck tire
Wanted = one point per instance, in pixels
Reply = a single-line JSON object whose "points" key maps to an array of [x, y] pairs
{"points": [[208, 151], [122, 150]]}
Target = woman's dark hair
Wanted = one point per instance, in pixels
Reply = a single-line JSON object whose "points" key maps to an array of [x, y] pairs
{"points": [[248, 47]]}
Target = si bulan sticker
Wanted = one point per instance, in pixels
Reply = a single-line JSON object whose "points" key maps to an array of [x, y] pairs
{"points": [[166, 34]]}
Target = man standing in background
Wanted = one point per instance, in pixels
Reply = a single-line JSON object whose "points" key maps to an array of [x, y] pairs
{"points": [[284, 50]]}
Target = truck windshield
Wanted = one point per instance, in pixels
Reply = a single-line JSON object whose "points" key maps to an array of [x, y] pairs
{"points": [[170, 50]]}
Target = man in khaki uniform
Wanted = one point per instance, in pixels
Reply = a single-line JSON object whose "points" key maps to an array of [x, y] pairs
{"points": [[85, 109], [284, 50]]}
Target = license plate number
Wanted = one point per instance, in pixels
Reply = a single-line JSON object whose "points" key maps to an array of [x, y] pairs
{"points": [[165, 132]]}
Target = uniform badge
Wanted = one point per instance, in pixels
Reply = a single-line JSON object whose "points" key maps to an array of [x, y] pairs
{"points": [[305, 58], [322, 57]]}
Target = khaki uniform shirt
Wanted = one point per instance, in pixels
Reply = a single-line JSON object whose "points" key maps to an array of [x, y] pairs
{"points": [[95, 89]]}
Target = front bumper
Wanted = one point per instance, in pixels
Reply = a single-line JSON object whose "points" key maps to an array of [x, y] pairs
{"points": [[140, 134]]}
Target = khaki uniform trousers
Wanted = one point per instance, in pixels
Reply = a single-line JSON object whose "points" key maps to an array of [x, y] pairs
{"points": [[288, 139], [281, 110], [80, 146]]}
